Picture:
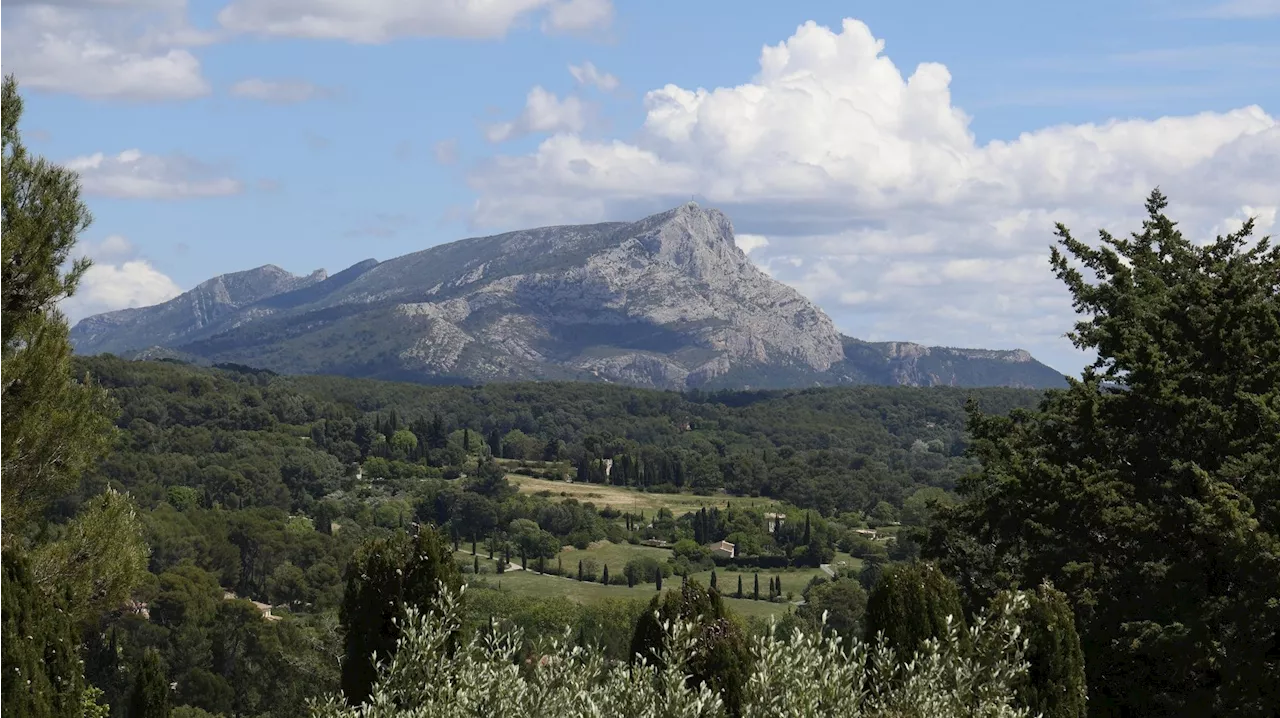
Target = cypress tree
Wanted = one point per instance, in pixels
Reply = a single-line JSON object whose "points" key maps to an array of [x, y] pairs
{"points": [[559, 565], [579, 569], [542, 564], [475, 564], [756, 593], [1054, 685], [658, 577], [466, 440], [492, 539], [739, 594], [910, 604], [524, 559], [779, 581], [150, 695], [722, 658], [806, 529], [384, 574], [713, 578], [500, 567], [604, 577], [473, 545], [631, 578]]}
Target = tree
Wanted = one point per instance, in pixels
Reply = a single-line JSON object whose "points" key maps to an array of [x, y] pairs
{"points": [[843, 600], [755, 594], [1147, 490], [54, 426], [713, 579], [43, 676], [384, 577], [739, 593], [97, 559], [1054, 685], [722, 659], [150, 695], [604, 577], [911, 604]]}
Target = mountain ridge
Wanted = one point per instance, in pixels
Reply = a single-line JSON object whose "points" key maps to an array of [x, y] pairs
{"points": [[668, 301]]}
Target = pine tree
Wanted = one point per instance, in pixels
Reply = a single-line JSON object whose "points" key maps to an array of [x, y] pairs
{"points": [[55, 427], [910, 604], [150, 695], [383, 577]]}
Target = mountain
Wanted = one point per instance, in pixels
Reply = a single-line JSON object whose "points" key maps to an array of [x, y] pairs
{"points": [[669, 301]]}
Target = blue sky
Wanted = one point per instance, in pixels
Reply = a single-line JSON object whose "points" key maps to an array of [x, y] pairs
{"points": [[918, 210]]}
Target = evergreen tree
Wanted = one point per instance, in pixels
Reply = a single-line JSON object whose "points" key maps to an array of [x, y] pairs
{"points": [[1146, 490], [55, 427], [658, 580], [495, 443], [150, 695], [492, 540], [910, 604], [475, 565], [43, 677], [739, 593], [466, 440], [579, 569], [542, 564], [722, 659], [756, 593], [473, 545], [383, 577], [807, 535], [1054, 685], [604, 577], [500, 567], [713, 579]]}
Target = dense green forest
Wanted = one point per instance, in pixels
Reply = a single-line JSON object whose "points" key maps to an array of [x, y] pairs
{"points": [[243, 479]]}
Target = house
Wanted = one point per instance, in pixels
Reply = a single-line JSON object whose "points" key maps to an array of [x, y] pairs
{"points": [[866, 533], [263, 608], [723, 549]]}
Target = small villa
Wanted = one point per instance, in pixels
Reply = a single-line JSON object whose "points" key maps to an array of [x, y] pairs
{"points": [[772, 521], [867, 533], [723, 549]]}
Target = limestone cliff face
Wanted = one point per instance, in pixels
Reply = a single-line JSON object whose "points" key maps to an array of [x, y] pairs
{"points": [[669, 301]]}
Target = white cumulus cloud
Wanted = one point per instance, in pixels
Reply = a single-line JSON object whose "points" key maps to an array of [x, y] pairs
{"points": [[134, 175], [129, 49], [543, 112], [118, 279], [378, 21], [875, 196]]}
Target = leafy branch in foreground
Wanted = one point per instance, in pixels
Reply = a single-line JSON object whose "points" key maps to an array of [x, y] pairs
{"points": [[805, 675]]}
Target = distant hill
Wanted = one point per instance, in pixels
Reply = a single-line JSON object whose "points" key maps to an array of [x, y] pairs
{"points": [[668, 302]]}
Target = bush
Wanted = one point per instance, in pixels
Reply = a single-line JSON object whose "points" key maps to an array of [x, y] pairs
{"points": [[804, 675]]}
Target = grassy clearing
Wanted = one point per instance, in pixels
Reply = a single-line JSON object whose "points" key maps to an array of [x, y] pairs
{"points": [[624, 499], [617, 555], [546, 586]]}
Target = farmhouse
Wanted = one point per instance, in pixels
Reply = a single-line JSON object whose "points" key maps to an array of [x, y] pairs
{"points": [[723, 549]]}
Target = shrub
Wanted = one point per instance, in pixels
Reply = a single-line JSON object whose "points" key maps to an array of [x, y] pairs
{"points": [[804, 675]]}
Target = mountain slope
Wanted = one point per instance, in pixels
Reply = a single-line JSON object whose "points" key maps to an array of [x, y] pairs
{"points": [[669, 301]]}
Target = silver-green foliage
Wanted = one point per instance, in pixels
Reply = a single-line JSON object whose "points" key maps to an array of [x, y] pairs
{"points": [[805, 675]]}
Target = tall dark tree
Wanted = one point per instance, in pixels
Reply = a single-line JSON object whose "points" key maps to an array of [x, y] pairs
{"points": [[384, 577], [910, 604], [755, 593], [1054, 685], [713, 579], [1147, 490], [42, 673], [604, 576], [150, 695], [495, 442], [739, 593], [722, 659]]}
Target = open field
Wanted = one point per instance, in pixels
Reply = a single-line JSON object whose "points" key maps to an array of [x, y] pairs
{"points": [[625, 499], [617, 555], [547, 586]]}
